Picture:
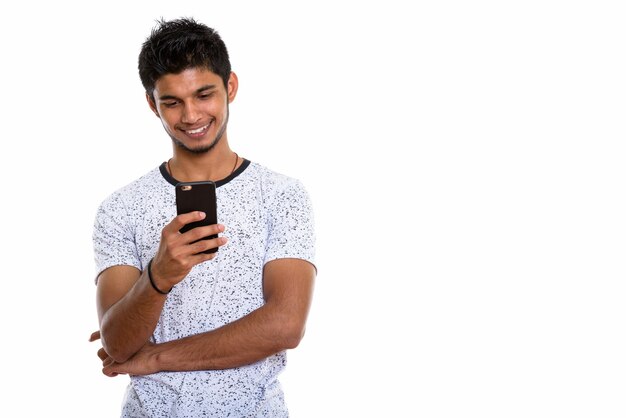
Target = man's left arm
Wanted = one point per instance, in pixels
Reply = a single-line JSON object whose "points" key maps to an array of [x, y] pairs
{"points": [[276, 326]]}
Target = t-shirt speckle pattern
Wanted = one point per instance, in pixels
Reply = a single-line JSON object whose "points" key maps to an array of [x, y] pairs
{"points": [[267, 216]]}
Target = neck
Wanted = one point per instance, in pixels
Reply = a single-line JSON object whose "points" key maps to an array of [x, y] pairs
{"points": [[213, 165]]}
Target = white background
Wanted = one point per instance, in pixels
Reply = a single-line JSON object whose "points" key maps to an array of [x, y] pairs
{"points": [[467, 165]]}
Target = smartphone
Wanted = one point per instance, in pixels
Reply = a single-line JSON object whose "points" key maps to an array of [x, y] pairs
{"points": [[197, 196]]}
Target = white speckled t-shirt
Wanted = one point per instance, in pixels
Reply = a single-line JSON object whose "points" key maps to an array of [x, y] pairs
{"points": [[267, 216]]}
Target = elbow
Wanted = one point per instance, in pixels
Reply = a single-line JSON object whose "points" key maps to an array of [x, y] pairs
{"points": [[292, 343], [119, 356], [114, 348], [116, 354], [291, 335]]}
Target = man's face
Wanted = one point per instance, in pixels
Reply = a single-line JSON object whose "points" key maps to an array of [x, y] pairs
{"points": [[193, 107]]}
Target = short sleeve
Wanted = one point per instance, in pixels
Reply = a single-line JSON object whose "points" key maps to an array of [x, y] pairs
{"points": [[113, 237], [291, 225]]}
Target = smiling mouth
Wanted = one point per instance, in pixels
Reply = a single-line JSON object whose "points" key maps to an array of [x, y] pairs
{"points": [[198, 131]]}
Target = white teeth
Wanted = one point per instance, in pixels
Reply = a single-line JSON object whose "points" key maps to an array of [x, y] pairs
{"points": [[197, 131]]}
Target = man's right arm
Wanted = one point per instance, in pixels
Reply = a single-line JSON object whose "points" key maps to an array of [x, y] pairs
{"points": [[128, 305], [128, 310]]}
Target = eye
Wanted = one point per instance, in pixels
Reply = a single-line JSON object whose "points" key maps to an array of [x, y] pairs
{"points": [[169, 104], [205, 96]]}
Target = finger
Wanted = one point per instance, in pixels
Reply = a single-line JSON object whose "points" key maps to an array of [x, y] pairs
{"points": [[94, 336], [102, 354], [182, 220], [107, 371], [201, 232], [198, 248], [112, 370]]}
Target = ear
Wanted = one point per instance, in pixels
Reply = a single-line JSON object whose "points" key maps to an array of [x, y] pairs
{"points": [[152, 105], [233, 85]]}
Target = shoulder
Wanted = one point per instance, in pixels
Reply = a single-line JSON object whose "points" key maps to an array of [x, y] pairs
{"points": [[282, 196], [274, 182]]}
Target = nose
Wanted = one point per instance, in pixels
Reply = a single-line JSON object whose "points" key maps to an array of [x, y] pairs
{"points": [[191, 114]]}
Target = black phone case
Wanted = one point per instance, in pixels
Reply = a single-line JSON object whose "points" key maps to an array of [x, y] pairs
{"points": [[193, 196]]}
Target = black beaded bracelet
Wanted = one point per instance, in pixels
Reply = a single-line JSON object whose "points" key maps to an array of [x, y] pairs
{"points": [[152, 280]]}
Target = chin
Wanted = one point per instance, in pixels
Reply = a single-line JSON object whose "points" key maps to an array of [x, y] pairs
{"points": [[200, 149]]}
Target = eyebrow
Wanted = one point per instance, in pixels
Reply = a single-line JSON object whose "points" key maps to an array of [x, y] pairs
{"points": [[198, 91]]}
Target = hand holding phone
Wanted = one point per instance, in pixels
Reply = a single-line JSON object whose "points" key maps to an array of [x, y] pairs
{"points": [[197, 196]]}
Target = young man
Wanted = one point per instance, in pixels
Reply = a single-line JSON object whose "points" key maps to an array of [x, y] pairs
{"points": [[201, 334]]}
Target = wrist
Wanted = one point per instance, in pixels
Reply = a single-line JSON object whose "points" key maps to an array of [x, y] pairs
{"points": [[153, 282], [155, 358]]}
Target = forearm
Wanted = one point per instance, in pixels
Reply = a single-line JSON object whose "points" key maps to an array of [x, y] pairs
{"points": [[260, 334], [128, 324]]}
